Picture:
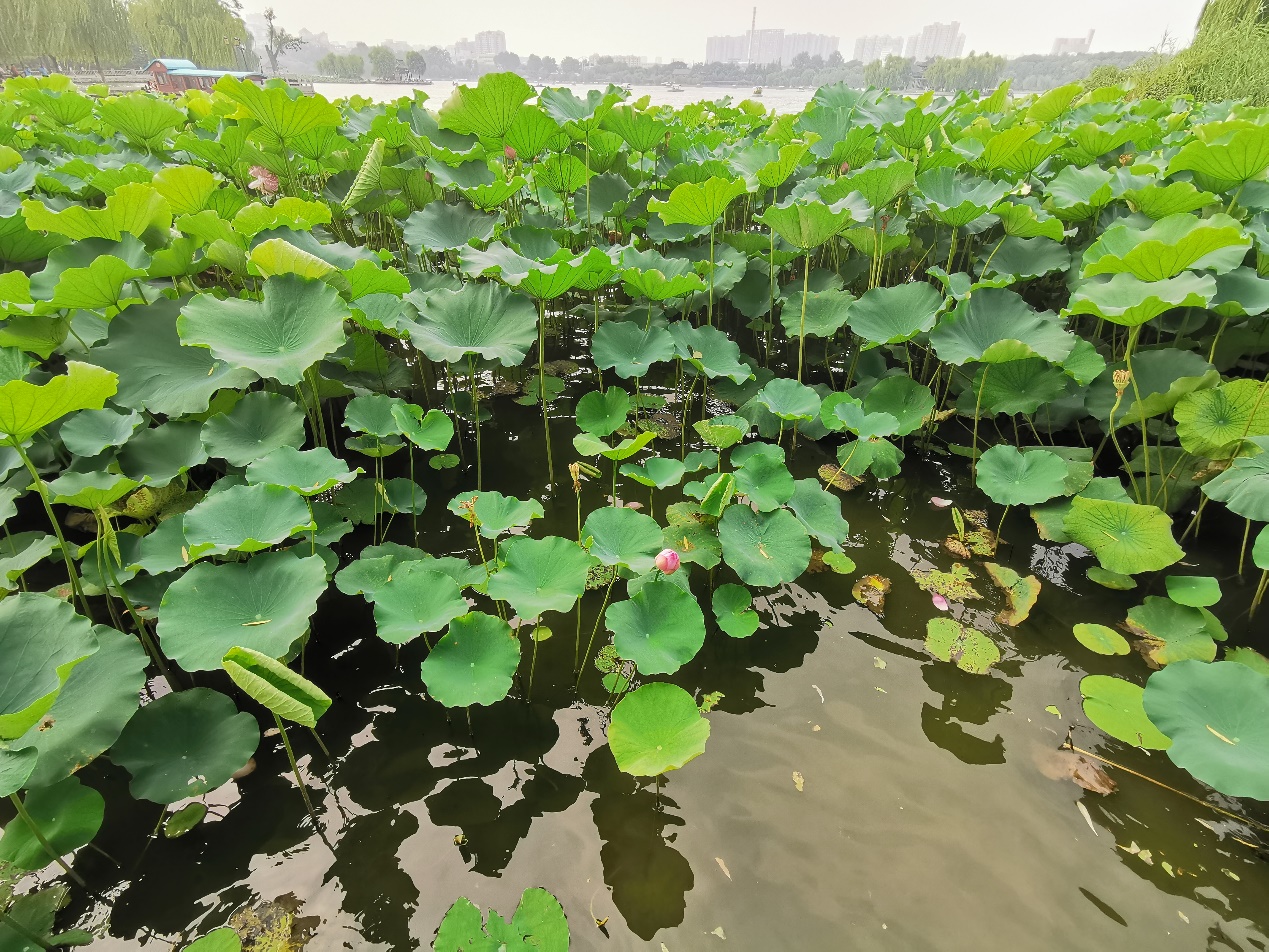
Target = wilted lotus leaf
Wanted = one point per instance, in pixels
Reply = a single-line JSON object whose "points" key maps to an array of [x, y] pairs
{"points": [[870, 591], [1172, 632], [953, 585], [1021, 593], [967, 648]]}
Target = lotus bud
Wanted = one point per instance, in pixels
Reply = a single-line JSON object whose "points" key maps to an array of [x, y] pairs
{"points": [[509, 152], [263, 180], [1122, 378], [668, 561], [844, 168]]}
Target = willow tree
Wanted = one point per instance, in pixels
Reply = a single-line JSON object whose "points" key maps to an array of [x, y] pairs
{"points": [[96, 31], [190, 29]]}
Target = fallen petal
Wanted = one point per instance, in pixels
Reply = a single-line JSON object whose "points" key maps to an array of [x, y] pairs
{"points": [[940, 502], [940, 602]]}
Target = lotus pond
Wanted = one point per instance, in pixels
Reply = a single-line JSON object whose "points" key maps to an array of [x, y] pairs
{"points": [[555, 518]]}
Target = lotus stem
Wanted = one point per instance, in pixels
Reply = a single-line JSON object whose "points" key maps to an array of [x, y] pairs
{"points": [[533, 662], [20, 807], [1260, 593], [546, 422], [475, 408], [143, 633], [1136, 393], [1242, 551], [23, 933], [76, 589], [295, 768], [978, 404], [1114, 438], [594, 631], [806, 273], [710, 315]]}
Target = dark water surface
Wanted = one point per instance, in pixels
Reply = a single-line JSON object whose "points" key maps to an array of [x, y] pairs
{"points": [[930, 816]]}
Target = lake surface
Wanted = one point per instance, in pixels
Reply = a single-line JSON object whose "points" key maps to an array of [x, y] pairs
{"points": [[781, 100], [933, 812]]}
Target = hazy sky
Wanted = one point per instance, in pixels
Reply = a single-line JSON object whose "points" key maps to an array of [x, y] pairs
{"points": [[676, 29]]}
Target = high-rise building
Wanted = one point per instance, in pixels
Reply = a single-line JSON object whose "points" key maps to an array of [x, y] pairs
{"points": [[934, 40], [876, 47], [1072, 44], [490, 42], [768, 46]]}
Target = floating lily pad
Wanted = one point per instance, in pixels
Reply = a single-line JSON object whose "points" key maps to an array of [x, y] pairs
{"points": [[967, 648], [1021, 592], [1114, 705], [1103, 640], [185, 744], [655, 729], [733, 611]]}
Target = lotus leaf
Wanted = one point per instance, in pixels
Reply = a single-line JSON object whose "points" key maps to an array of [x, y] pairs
{"points": [[968, 649], [1103, 640], [1126, 538], [473, 663], [655, 729], [630, 350], [245, 519], [254, 427], [765, 549], [660, 628], [495, 513], [540, 575], [285, 693], [1012, 478], [1174, 632], [68, 816], [43, 639], [1115, 705], [620, 536], [603, 413]]}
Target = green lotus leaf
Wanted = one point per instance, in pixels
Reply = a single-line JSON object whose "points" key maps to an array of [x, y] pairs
{"points": [[487, 320], [21, 551], [91, 273], [709, 351], [1103, 640], [641, 131], [1012, 478], [1241, 293], [1159, 201], [806, 225], [909, 402], [1168, 247], [185, 744], [158, 374], [263, 604], [307, 472], [716, 493], [415, 598], [90, 432], [879, 183], [1195, 591], [90, 491], [1174, 632], [430, 430], [789, 400], [621, 536], [43, 639], [15, 769], [373, 414], [494, 512], [487, 110], [1161, 377], [90, 710], [895, 314], [733, 611], [1112, 580], [245, 519], [68, 816], [700, 205], [967, 648], [473, 663], [765, 549], [1115, 705], [820, 512], [655, 729], [254, 427], [133, 209], [282, 117], [26, 408], [956, 199], [1078, 194], [1126, 538], [722, 432], [268, 681], [1022, 259], [841, 411], [826, 312], [162, 453], [766, 481], [657, 472], [1021, 220], [561, 173], [660, 628], [1228, 162], [1127, 300], [218, 940], [1250, 657], [630, 350], [996, 325], [187, 188], [540, 575], [657, 285], [1244, 486], [297, 323], [1217, 717], [603, 413], [442, 227]]}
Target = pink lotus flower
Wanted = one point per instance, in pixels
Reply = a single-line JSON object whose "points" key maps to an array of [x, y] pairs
{"points": [[509, 152], [845, 167], [263, 180], [940, 602], [668, 561]]}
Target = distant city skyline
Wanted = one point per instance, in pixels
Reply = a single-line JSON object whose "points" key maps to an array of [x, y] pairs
{"points": [[660, 29]]}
